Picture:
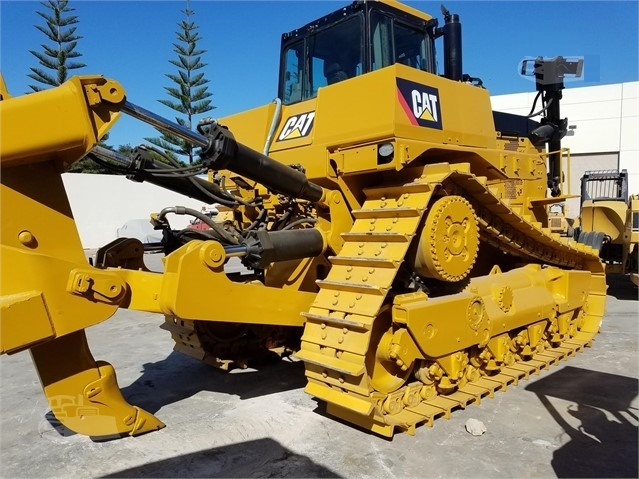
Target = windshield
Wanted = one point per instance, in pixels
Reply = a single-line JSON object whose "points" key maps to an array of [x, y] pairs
{"points": [[334, 55]]}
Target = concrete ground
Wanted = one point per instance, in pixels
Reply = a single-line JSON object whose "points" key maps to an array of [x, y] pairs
{"points": [[578, 419]]}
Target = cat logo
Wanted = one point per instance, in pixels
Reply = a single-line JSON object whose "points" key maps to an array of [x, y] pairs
{"points": [[420, 103], [297, 126]]}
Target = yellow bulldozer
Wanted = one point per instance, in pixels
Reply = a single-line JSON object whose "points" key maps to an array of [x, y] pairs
{"points": [[395, 231], [609, 221]]}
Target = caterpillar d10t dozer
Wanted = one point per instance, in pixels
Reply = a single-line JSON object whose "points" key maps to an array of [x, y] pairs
{"points": [[395, 229]]}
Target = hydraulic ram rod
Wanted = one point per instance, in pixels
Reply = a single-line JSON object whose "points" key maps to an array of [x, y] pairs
{"points": [[220, 151], [163, 124]]}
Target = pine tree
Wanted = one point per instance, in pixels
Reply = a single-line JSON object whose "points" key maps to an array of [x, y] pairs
{"points": [[190, 93], [58, 57]]}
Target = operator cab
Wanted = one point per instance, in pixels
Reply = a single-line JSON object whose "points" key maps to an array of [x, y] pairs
{"points": [[360, 38]]}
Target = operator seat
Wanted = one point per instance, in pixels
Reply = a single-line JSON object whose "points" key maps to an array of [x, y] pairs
{"points": [[333, 72]]}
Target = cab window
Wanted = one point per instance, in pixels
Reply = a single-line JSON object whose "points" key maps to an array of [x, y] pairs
{"points": [[395, 42], [336, 53], [331, 55], [294, 63], [410, 46]]}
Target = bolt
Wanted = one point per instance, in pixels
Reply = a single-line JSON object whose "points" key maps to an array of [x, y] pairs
{"points": [[323, 325], [411, 400], [25, 237], [393, 407], [340, 340]]}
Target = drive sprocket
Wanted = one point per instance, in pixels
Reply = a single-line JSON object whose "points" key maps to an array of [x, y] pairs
{"points": [[449, 241]]}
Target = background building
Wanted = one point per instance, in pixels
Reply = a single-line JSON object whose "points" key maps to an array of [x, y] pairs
{"points": [[102, 204]]}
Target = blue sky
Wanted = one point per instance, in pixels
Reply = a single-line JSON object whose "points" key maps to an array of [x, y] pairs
{"points": [[132, 42]]}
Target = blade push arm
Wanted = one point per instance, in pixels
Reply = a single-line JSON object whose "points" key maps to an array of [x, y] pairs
{"points": [[61, 124]]}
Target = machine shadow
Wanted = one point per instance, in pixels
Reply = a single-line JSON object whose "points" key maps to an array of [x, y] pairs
{"points": [[258, 458], [620, 286], [605, 444], [179, 376]]}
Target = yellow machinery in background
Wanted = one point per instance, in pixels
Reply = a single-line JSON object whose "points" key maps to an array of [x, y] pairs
{"points": [[558, 222], [609, 220], [395, 229]]}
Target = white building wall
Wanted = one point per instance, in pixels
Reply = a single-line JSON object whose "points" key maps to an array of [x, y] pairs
{"points": [[629, 134], [103, 203]]}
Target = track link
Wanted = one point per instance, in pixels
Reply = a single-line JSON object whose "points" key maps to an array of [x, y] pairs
{"points": [[341, 325], [229, 346]]}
